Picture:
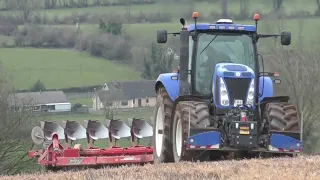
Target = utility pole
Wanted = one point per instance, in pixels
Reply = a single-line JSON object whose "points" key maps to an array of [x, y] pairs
{"points": [[301, 127], [96, 96]]}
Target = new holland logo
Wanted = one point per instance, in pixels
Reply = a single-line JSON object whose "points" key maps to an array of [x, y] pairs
{"points": [[238, 74]]}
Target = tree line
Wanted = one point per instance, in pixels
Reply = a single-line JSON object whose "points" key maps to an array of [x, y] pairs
{"points": [[59, 4], [277, 5]]}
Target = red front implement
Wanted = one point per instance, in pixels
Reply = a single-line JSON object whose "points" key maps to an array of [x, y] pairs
{"points": [[57, 156]]}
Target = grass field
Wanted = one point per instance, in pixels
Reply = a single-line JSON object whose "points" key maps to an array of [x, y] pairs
{"points": [[58, 68], [307, 28], [306, 167], [175, 9], [62, 68], [124, 114]]}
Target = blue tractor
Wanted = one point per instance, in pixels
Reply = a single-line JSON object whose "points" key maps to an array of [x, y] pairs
{"points": [[220, 102]]}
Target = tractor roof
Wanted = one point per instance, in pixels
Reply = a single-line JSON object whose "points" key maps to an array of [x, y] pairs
{"points": [[222, 26]]}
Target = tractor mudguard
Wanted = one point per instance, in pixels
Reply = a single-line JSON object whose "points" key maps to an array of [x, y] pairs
{"points": [[285, 142], [275, 99], [170, 82], [208, 138], [266, 100], [265, 87]]}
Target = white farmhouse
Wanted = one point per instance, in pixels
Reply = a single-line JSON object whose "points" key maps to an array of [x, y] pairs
{"points": [[128, 94]]}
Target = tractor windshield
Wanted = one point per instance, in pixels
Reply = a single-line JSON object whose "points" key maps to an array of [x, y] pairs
{"points": [[218, 48]]}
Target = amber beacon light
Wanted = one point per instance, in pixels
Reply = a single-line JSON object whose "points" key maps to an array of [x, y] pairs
{"points": [[195, 15], [256, 17]]}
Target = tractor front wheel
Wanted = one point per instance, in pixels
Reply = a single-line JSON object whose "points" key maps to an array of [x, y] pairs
{"points": [[198, 113], [281, 116]]}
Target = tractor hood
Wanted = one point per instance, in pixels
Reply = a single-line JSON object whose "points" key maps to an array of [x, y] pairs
{"points": [[234, 70]]}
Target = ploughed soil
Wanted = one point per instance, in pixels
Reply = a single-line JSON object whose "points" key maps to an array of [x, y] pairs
{"points": [[303, 167]]}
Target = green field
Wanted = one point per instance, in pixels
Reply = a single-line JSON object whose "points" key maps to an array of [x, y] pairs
{"points": [[307, 28], [124, 114], [65, 68], [176, 9], [58, 68]]}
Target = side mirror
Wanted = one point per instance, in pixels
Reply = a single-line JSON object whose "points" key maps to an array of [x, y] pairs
{"points": [[162, 36], [286, 38]]}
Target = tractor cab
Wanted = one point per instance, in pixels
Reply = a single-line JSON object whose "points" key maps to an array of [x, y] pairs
{"points": [[216, 46], [219, 61]]}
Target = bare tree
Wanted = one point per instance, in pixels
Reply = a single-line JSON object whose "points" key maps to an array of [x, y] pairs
{"points": [[244, 11], [97, 2], [300, 74], [277, 4], [23, 9], [50, 4], [111, 109], [160, 60], [318, 7], [299, 70], [298, 66], [127, 4], [83, 3], [224, 7], [16, 118]]}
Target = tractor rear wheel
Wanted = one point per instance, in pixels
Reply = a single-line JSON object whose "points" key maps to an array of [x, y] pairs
{"points": [[281, 116], [199, 117], [162, 128]]}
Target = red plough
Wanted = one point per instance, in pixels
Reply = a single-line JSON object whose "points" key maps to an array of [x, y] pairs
{"points": [[54, 154]]}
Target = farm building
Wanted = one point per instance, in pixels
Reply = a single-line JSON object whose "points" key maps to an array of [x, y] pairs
{"points": [[129, 94], [47, 101]]}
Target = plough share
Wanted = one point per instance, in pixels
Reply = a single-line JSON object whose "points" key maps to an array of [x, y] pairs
{"points": [[55, 155]]}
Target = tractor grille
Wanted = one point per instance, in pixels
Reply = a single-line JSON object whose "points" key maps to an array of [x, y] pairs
{"points": [[238, 88]]}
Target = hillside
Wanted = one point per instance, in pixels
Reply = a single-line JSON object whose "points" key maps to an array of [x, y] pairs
{"points": [[285, 168], [176, 9], [58, 68]]}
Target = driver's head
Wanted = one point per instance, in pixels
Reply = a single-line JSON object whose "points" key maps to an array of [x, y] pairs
{"points": [[210, 51], [215, 56]]}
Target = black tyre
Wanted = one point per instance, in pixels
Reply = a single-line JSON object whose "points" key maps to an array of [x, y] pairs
{"points": [[162, 121], [281, 116], [199, 117]]}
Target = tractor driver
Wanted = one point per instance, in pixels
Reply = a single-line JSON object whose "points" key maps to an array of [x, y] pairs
{"points": [[206, 66]]}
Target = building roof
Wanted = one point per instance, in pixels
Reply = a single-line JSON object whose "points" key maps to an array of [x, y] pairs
{"points": [[44, 97], [126, 90]]}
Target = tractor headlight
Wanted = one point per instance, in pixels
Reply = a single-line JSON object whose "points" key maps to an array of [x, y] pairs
{"points": [[223, 93], [251, 93], [224, 99]]}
